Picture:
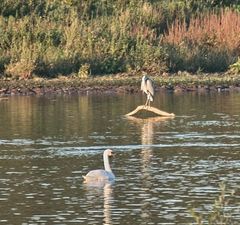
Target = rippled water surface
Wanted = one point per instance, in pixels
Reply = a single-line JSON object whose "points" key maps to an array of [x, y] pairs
{"points": [[163, 167]]}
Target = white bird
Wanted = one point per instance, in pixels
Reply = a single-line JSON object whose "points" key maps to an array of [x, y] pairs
{"points": [[148, 89], [100, 174]]}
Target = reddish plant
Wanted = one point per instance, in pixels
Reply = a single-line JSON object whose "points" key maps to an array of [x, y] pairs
{"points": [[216, 29]]}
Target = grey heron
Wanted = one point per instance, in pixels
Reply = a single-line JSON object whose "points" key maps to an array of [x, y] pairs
{"points": [[148, 89]]}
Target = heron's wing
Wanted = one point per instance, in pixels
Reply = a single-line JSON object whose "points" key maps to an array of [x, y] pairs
{"points": [[150, 88], [143, 85]]}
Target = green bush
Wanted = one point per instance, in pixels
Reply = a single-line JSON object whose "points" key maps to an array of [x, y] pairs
{"points": [[235, 67], [198, 58]]}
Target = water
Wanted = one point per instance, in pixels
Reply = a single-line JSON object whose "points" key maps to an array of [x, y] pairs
{"points": [[164, 167]]}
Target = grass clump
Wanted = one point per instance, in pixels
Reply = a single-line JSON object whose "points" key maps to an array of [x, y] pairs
{"points": [[220, 212], [235, 67]]}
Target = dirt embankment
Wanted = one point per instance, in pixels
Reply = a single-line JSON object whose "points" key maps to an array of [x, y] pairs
{"points": [[117, 84]]}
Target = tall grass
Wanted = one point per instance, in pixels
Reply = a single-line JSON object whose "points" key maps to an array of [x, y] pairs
{"points": [[208, 42], [48, 38], [221, 211]]}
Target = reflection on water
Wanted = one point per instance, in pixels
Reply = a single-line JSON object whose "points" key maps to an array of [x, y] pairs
{"points": [[107, 204], [146, 154], [105, 189], [163, 167]]}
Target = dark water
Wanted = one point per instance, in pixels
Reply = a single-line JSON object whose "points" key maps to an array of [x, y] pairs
{"points": [[164, 167]]}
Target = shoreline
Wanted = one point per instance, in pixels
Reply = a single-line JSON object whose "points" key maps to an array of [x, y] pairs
{"points": [[119, 84]]}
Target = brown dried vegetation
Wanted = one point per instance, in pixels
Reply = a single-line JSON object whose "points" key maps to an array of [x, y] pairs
{"points": [[210, 43], [219, 29]]}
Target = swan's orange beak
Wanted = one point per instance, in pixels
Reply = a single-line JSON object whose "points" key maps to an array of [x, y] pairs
{"points": [[111, 154]]}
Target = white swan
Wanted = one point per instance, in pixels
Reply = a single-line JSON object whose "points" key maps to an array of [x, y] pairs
{"points": [[100, 174]]}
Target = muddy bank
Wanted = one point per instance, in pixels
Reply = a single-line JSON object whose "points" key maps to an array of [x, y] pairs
{"points": [[118, 84], [27, 91]]}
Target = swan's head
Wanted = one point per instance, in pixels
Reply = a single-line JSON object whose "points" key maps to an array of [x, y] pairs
{"points": [[108, 152]]}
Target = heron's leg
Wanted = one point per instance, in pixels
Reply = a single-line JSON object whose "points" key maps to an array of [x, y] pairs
{"points": [[149, 102], [146, 102]]}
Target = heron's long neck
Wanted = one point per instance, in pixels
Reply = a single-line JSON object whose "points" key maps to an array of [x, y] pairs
{"points": [[106, 163]]}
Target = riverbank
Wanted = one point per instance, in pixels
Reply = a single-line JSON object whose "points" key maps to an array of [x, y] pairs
{"points": [[122, 83]]}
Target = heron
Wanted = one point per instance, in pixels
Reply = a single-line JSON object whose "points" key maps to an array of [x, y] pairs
{"points": [[148, 89]]}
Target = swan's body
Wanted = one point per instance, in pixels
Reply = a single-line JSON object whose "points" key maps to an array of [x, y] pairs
{"points": [[148, 89], [100, 174]]}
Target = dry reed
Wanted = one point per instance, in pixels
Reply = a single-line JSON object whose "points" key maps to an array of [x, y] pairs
{"points": [[214, 28]]}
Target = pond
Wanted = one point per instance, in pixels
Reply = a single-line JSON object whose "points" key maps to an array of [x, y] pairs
{"points": [[163, 167]]}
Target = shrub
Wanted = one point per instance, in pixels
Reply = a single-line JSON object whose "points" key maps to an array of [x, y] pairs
{"points": [[84, 71], [23, 63], [235, 67]]}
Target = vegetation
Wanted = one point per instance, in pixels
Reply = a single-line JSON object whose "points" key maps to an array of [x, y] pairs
{"points": [[93, 37], [210, 43], [220, 212]]}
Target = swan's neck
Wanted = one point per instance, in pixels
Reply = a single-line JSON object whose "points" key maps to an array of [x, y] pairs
{"points": [[106, 163]]}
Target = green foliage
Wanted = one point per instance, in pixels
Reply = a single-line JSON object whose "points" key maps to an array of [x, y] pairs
{"points": [[235, 67], [220, 212], [198, 58], [52, 37], [84, 71]]}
